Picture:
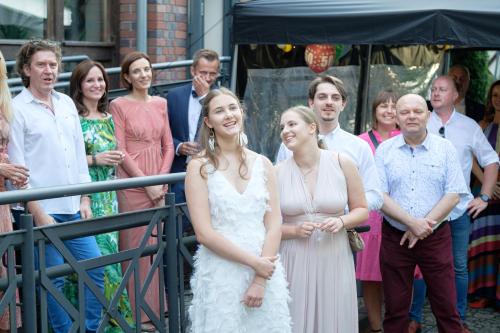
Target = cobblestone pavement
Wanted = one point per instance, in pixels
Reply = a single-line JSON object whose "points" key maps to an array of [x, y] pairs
{"points": [[478, 320]]}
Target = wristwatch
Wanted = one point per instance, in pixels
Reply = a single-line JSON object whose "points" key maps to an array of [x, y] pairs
{"points": [[484, 197]]}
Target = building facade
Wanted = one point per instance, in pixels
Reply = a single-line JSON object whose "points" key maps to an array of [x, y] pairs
{"points": [[106, 30]]}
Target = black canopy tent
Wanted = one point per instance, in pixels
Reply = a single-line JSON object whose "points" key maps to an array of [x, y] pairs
{"points": [[462, 23], [457, 22]]}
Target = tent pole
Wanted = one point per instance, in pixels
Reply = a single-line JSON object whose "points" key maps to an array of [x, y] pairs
{"points": [[234, 68], [446, 63], [363, 88]]}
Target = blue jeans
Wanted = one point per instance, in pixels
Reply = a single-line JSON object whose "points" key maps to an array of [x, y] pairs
{"points": [[460, 229], [82, 248], [417, 303]]}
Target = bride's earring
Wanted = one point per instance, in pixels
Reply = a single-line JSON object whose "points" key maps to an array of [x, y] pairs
{"points": [[211, 140], [243, 139]]}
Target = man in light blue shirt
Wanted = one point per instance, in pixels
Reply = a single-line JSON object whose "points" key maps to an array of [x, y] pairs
{"points": [[468, 139], [421, 182]]}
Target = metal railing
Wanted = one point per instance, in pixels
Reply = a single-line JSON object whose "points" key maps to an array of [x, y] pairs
{"points": [[29, 238], [16, 84], [73, 58], [170, 250]]}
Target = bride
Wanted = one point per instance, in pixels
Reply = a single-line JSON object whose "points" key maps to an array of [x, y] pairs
{"points": [[238, 283]]}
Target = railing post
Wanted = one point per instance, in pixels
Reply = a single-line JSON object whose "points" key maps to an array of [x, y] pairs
{"points": [[28, 273], [172, 268]]}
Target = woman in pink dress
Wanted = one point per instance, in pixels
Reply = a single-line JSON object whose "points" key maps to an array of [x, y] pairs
{"points": [[17, 174], [143, 134], [367, 261]]}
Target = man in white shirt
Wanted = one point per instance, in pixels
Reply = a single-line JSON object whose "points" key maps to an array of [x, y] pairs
{"points": [[327, 97], [422, 182], [46, 137], [469, 140]]}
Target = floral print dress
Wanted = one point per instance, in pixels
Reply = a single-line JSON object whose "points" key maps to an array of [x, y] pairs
{"points": [[99, 136]]}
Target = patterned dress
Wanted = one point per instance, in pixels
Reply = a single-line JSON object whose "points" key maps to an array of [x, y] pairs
{"points": [[99, 136], [484, 243]]}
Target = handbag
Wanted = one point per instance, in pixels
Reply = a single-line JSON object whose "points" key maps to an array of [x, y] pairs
{"points": [[355, 240]]}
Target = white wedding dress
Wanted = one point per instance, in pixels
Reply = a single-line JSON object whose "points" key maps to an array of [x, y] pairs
{"points": [[218, 284]]}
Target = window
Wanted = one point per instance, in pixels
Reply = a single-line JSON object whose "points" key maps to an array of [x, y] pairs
{"points": [[23, 19], [87, 20], [69, 20]]}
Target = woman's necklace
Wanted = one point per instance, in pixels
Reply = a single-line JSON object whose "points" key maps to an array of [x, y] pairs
{"points": [[307, 172]]}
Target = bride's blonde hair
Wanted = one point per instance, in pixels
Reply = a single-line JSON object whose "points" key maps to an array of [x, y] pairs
{"points": [[5, 99]]}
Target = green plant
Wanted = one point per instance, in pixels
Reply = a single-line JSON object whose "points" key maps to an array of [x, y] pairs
{"points": [[480, 77]]}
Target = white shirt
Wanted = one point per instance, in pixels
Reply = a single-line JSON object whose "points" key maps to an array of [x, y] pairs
{"points": [[343, 142], [194, 113], [417, 178], [50, 145], [469, 140]]}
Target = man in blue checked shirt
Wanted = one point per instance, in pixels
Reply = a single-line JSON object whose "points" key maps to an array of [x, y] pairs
{"points": [[468, 139], [422, 182]]}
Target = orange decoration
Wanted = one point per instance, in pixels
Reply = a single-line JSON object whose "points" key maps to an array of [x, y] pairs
{"points": [[319, 57]]}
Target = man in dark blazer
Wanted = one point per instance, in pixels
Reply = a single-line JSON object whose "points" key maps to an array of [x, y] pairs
{"points": [[184, 111], [461, 75]]}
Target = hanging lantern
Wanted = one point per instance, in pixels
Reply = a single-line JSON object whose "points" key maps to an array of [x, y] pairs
{"points": [[319, 57], [285, 47]]}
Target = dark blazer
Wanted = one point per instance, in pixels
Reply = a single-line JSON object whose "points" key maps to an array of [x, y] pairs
{"points": [[178, 105], [474, 109]]}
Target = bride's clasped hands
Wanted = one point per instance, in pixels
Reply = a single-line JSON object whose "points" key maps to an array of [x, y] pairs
{"points": [[264, 268]]}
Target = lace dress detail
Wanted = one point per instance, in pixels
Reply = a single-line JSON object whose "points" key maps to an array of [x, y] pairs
{"points": [[218, 284]]}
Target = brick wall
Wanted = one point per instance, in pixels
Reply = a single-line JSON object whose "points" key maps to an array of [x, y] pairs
{"points": [[167, 33]]}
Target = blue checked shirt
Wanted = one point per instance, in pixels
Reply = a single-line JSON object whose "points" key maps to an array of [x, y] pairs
{"points": [[417, 178]]}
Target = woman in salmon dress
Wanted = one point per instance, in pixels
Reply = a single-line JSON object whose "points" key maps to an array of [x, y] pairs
{"points": [[143, 134]]}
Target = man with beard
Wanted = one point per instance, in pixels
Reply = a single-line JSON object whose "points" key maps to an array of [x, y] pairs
{"points": [[328, 98]]}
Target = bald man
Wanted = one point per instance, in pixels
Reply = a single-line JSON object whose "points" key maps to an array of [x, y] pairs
{"points": [[421, 183], [468, 139]]}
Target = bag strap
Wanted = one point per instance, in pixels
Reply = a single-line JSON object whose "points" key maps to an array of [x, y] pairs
{"points": [[373, 138], [341, 168]]}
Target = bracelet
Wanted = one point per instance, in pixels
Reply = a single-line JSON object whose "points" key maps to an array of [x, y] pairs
{"points": [[94, 160], [342, 221], [260, 284]]}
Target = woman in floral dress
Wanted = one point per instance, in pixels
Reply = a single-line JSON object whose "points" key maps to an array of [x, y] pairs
{"points": [[89, 88]]}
